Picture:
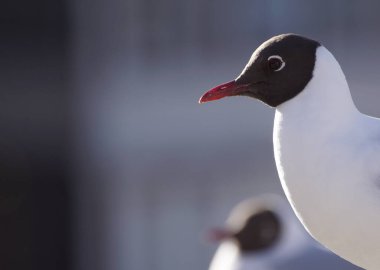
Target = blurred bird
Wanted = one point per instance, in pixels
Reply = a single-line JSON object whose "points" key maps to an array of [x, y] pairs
{"points": [[327, 153], [263, 233]]}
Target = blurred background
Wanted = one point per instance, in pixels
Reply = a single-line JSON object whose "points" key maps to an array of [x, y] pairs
{"points": [[107, 161]]}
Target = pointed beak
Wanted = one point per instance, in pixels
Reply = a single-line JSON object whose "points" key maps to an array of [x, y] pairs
{"points": [[224, 90], [216, 235]]}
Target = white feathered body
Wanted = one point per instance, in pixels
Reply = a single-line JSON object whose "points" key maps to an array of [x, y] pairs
{"points": [[328, 159], [228, 257]]}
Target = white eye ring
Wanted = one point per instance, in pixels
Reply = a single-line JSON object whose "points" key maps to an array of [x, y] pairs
{"points": [[279, 58]]}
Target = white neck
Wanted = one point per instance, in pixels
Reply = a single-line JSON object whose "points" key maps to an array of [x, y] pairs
{"points": [[326, 100], [318, 113]]}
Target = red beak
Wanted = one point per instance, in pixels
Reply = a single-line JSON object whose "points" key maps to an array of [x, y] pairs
{"points": [[217, 235], [224, 90]]}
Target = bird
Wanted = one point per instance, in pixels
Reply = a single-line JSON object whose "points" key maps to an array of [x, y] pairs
{"points": [[326, 151], [263, 233]]}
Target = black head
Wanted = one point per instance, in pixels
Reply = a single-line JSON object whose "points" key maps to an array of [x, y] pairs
{"points": [[277, 71], [260, 231]]}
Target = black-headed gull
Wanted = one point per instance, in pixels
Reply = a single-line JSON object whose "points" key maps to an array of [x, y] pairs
{"points": [[262, 233], [327, 153]]}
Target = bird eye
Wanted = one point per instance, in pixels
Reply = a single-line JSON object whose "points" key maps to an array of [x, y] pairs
{"points": [[275, 63]]}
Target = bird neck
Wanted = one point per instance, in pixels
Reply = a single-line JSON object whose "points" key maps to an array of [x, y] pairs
{"points": [[326, 100]]}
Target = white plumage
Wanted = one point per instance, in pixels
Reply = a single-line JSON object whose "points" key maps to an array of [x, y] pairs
{"points": [[328, 159]]}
